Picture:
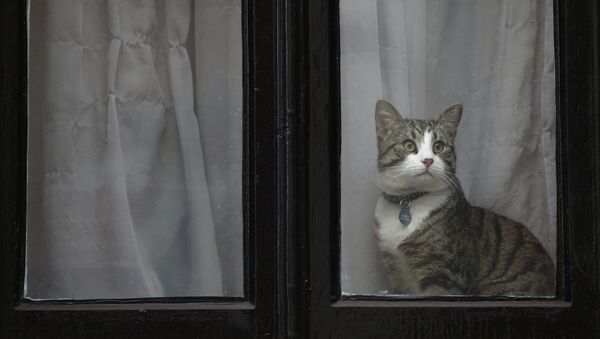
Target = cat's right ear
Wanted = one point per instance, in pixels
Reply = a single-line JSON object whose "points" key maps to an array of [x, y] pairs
{"points": [[387, 118]]}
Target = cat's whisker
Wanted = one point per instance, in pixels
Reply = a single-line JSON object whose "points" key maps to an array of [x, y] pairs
{"points": [[450, 181], [390, 176]]}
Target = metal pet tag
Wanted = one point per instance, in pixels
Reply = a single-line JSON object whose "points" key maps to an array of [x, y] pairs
{"points": [[404, 215]]}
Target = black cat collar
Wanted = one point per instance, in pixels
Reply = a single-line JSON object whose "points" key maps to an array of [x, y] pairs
{"points": [[404, 201]]}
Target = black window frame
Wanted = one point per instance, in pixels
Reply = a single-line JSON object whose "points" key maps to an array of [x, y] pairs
{"points": [[575, 310], [292, 130], [254, 315]]}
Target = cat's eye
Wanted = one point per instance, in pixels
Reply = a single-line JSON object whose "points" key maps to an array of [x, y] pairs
{"points": [[438, 147], [409, 146]]}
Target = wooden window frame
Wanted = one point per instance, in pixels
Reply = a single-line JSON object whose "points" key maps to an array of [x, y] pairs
{"points": [[575, 310], [255, 315], [292, 231]]}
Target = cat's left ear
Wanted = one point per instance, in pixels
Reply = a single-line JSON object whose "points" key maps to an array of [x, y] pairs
{"points": [[450, 119]]}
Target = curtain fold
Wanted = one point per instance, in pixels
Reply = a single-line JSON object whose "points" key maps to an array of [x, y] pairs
{"points": [[497, 59], [217, 56], [119, 205], [206, 271]]}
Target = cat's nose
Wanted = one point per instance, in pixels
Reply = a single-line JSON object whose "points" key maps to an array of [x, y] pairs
{"points": [[427, 162]]}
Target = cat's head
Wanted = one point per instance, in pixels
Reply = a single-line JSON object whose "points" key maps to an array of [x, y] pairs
{"points": [[415, 155]]}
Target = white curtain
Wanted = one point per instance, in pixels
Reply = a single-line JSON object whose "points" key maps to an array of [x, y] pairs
{"points": [[135, 149], [496, 58]]}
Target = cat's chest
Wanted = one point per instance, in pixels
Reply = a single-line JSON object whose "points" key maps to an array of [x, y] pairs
{"points": [[390, 231]]}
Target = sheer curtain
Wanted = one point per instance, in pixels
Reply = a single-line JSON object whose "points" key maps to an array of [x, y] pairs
{"points": [[126, 196], [497, 59]]}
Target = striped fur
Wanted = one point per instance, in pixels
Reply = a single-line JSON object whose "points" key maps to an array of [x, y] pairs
{"points": [[450, 247]]}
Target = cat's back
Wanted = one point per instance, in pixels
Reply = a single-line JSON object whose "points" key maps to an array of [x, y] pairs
{"points": [[511, 259]]}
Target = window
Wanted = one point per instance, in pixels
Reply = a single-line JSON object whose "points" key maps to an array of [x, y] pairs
{"points": [[248, 258], [487, 94], [335, 314], [292, 139], [135, 150]]}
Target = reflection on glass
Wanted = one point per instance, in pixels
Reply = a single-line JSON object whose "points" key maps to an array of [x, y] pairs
{"points": [[135, 149], [467, 119]]}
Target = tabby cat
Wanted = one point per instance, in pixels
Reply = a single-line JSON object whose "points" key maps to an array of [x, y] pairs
{"points": [[432, 241]]}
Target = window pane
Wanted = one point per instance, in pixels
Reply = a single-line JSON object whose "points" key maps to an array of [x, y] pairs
{"points": [[135, 149], [413, 167]]}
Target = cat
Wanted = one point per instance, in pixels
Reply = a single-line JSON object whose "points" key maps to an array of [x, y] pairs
{"points": [[431, 240]]}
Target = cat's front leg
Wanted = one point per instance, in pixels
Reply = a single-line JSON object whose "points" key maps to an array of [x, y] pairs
{"points": [[399, 275], [439, 285]]}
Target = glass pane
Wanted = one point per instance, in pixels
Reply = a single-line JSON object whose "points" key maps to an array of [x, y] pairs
{"points": [[135, 149], [415, 164]]}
